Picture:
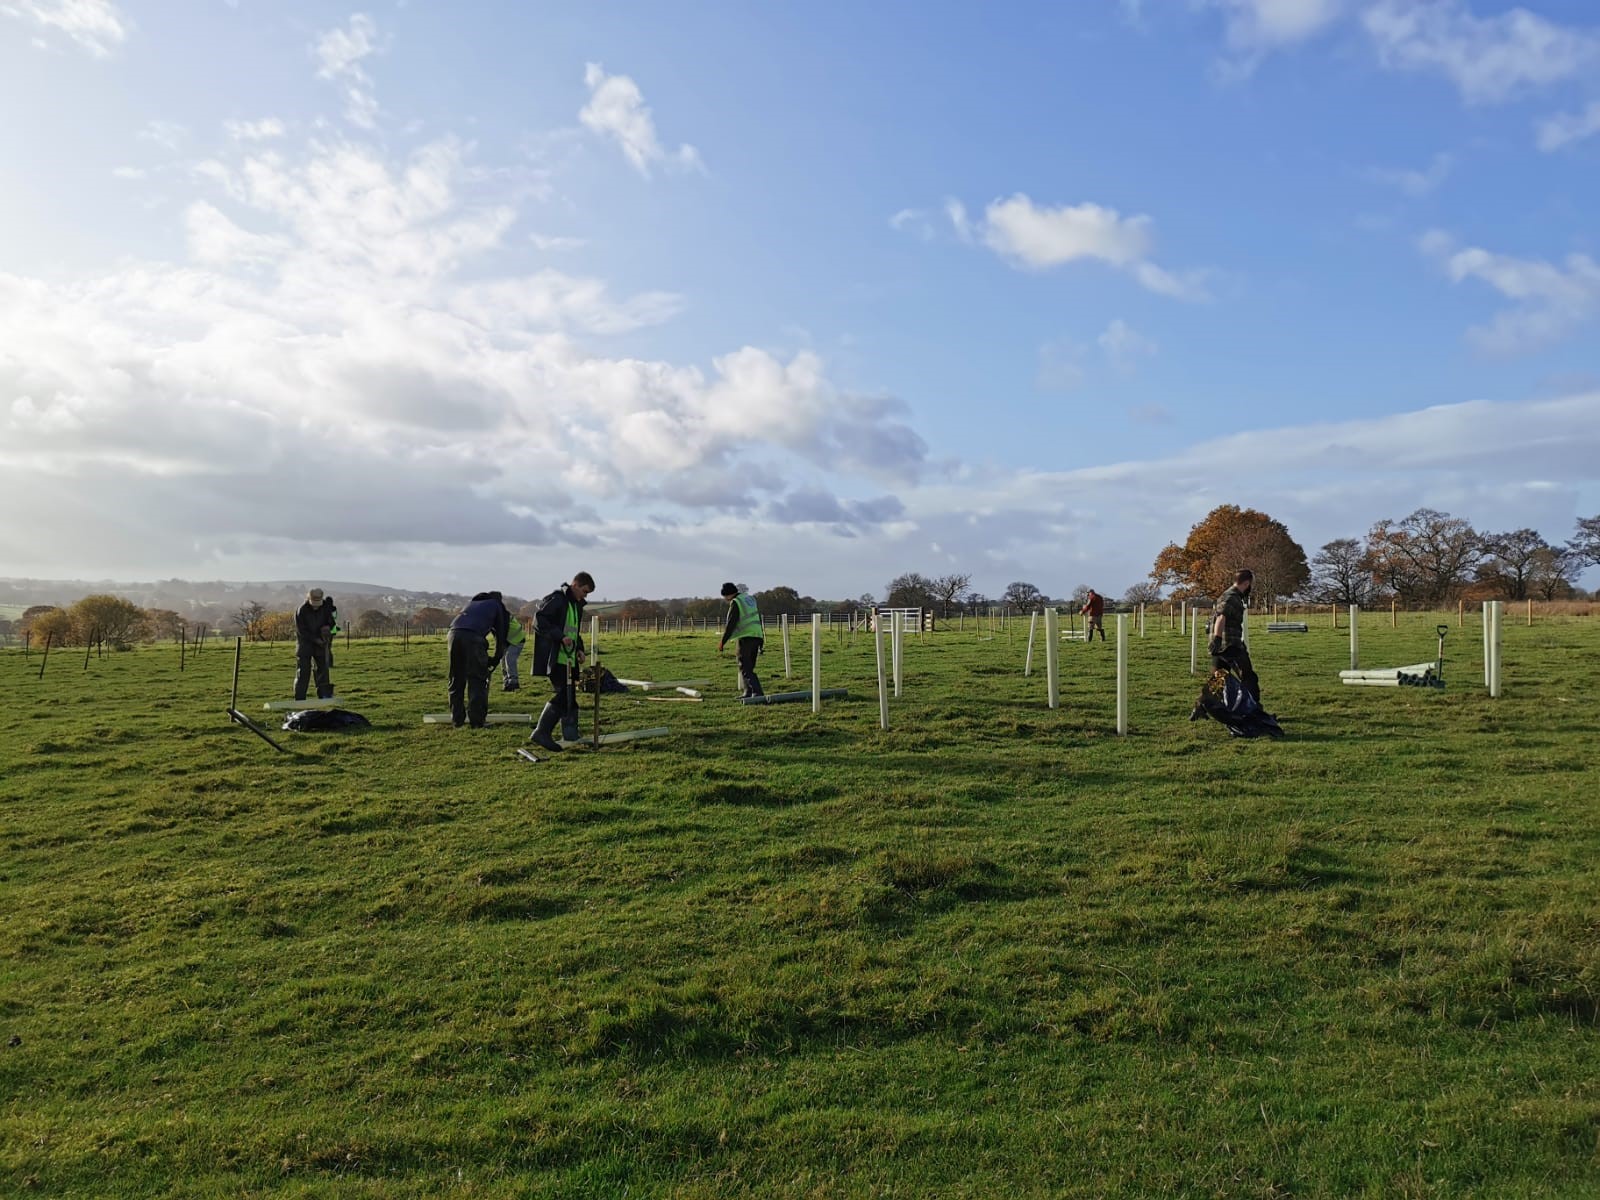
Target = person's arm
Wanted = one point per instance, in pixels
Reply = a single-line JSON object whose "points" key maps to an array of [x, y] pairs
{"points": [[733, 623]]}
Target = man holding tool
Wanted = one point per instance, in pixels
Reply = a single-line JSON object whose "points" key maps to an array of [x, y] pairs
{"points": [[558, 653], [744, 623]]}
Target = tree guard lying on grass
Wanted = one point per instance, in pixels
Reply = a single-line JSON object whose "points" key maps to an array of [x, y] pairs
{"points": [[493, 718], [628, 735], [298, 705], [657, 685]]}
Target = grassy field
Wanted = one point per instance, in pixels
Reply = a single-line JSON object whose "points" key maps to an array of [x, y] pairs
{"points": [[996, 951]]}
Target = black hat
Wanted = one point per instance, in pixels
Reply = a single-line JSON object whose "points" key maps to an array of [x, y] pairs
{"points": [[730, 589]]}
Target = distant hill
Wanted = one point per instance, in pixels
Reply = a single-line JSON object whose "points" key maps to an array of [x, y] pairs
{"points": [[216, 598]]}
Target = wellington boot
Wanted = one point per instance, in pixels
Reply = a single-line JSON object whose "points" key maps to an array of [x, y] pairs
{"points": [[541, 732], [569, 728]]}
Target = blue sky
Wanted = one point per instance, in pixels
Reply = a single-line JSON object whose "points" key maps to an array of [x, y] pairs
{"points": [[475, 295]]}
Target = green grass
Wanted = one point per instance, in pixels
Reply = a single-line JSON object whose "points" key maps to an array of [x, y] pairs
{"points": [[996, 951]]}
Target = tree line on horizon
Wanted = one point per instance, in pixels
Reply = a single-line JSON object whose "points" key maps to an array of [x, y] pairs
{"points": [[1425, 559]]}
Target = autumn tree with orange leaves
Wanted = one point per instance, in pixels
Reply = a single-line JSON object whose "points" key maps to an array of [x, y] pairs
{"points": [[1228, 539]]}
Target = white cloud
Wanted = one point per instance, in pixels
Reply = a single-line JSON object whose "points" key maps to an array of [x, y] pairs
{"points": [[617, 110], [1124, 345], [130, 173], [1414, 182], [1489, 59], [1565, 128], [339, 54], [343, 338], [913, 221], [1255, 26], [1551, 301], [263, 130], [98, 26], [957, 213], [1036, 238]]}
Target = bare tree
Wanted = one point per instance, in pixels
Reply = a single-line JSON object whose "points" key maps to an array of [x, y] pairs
{"points": [[1554, 573], [1511, 562], [1342, 574], [248, 618], [1585, 542], [948, 589], [1140, 593]]}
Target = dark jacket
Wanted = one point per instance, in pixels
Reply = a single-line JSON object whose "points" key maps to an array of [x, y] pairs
{"points": [[313, 626], [484, 616], [1095, 605], [549, 622]]}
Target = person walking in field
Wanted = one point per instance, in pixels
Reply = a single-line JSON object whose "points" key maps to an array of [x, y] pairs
{"points": [[313, 640], [470, 661], [1226, 644], [1094, 607], [558, 652], [508, 665], [744, 623]]}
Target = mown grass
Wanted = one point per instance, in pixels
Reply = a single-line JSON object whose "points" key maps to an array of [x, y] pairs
{"points": [[995, 951]]}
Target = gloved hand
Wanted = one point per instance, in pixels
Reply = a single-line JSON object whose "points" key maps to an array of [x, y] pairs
{"points": [[1214, 647]]}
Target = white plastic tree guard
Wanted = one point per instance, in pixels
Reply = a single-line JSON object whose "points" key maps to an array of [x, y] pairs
{"points": [[1122, 673], [816, 662], [649, 685], [1027, 661], [883, 685], [493, 718], [1052, 656], [1355, 637], [298, 705]]}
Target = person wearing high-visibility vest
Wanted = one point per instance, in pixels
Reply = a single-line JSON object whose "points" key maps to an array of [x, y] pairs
{"points": [[744, 623], [515, 638], [557, 654]]}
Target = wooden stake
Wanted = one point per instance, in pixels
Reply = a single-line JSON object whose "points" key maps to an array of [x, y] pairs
{"points": [[43, 661]]}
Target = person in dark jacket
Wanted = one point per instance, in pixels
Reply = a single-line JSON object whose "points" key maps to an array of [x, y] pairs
{"points": [[1226, 645], [558, 652], [313, 638], [470, 660], [744, 624], [1094, 607]]}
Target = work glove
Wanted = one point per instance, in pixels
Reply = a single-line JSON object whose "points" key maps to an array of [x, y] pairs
{"points": [[1214, 647]]}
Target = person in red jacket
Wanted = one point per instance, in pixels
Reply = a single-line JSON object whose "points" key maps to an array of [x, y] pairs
{"points": [[1095, 609]]}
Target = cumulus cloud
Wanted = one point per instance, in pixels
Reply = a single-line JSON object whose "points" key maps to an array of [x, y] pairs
{"points": [[340, 54], [1254, 29], [342, 354], [97, 26], [616, 110], [1563, 129], [1489, 59], [1550, 300], [1037, 238]]}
